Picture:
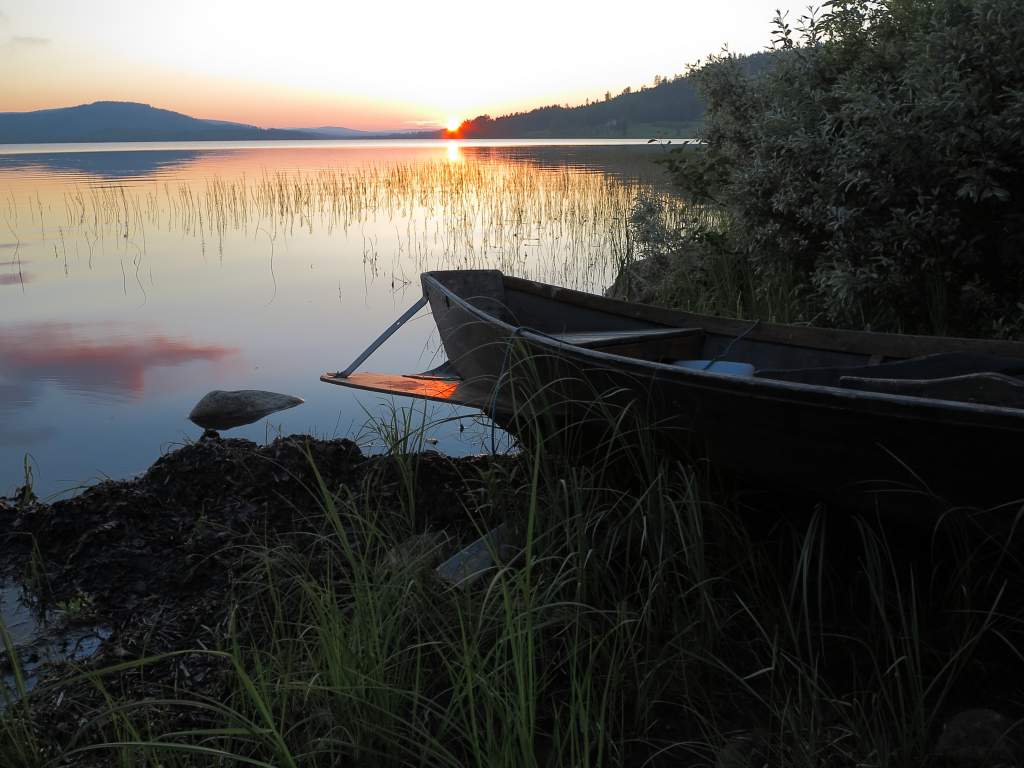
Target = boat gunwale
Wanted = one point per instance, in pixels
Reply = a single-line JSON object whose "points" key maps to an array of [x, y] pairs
{"points": [[907, 407], [856, 342]]}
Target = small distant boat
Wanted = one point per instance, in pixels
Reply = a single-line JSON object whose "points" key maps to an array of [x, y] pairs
{"points": [[792, 405]]}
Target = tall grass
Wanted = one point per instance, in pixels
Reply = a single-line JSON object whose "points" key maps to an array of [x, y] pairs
{"points": [[692, 265], [640, 623], [538, 222]]}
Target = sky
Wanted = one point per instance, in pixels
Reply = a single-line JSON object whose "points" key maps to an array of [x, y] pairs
{"points": [[373, 64]]}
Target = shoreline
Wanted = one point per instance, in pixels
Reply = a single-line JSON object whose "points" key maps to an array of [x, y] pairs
{"points": [[220, 560]]}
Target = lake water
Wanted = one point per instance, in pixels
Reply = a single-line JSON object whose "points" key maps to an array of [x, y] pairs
{"points": [[135, 278]]}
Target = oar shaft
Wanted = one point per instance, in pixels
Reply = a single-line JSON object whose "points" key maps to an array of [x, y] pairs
{"points": [[407, 315]]}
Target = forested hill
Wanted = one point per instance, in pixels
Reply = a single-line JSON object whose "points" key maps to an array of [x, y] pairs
{"points": [[669, 108]]}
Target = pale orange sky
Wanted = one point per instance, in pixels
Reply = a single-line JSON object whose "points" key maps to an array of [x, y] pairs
{"points": [[368, 65]]}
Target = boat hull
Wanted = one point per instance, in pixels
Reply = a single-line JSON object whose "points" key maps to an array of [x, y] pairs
{"points": [[774, 432]]}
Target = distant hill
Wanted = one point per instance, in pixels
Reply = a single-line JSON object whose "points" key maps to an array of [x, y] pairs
{"points": [[125, 121], [670, 108], [336, 132]]}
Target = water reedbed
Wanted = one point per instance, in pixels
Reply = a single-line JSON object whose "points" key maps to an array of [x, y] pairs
{"points": [[134, 282]]}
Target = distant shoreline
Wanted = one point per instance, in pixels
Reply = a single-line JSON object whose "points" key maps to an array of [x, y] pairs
{"points": [[54, 147], [671, 107]]}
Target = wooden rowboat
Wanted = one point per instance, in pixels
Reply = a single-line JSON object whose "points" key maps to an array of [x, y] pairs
{"points": [[801, 406]]}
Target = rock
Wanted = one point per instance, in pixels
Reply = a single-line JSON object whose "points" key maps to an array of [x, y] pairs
{"points": [[223, 410], [468, 565], [977, 738]]}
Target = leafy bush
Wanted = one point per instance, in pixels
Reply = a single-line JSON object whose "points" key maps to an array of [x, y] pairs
{"points": [[880, 162], [685, 258]]}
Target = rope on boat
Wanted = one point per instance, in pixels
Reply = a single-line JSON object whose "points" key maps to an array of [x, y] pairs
{"points": [[728, 347]]}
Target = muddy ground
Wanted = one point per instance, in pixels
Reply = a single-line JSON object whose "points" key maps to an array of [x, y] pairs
{"points": [[156, 562], [152, 560]]}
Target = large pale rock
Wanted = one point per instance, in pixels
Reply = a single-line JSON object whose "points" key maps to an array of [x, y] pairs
{"points": [[223, 410]]}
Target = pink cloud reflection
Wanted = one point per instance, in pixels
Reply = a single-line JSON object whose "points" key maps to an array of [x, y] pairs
{"points": [[37, 352]]}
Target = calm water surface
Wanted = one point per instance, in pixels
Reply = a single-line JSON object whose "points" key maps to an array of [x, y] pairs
{"points": [[135, 278]]}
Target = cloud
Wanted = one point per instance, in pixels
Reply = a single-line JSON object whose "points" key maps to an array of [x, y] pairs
{"points": [[29, 41], [4, 18]]}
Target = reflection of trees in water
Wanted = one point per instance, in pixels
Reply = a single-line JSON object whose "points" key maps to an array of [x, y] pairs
{"points": [[629, 163]]}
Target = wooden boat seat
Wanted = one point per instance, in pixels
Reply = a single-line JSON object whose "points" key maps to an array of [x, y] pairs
{"points": [[982, 388], [592, 339], [655, 344], [943, 365]]}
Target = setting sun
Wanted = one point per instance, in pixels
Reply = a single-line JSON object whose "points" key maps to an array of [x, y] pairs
{"points": [[453, 124]]}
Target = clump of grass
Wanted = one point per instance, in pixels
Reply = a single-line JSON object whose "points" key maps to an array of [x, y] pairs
{"points": [[640, 623]]}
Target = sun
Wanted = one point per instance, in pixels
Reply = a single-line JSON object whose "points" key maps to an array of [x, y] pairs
{"points": [[453, 124]]}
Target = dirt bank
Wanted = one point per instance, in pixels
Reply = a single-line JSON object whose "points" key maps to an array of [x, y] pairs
{"points": [[155, 558]]}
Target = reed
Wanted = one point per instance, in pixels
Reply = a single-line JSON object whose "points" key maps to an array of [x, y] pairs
{"points": [[534, 221]]}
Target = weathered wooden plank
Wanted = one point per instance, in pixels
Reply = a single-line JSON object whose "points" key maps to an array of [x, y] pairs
{"points": [[439, 390], [984, 388], [939, 366]]}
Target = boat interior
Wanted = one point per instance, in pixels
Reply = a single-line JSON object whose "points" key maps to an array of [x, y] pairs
{"points": [[967, 370]]}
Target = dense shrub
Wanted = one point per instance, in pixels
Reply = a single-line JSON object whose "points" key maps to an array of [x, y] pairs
{"points": [[683, 257], [880, 162]]}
